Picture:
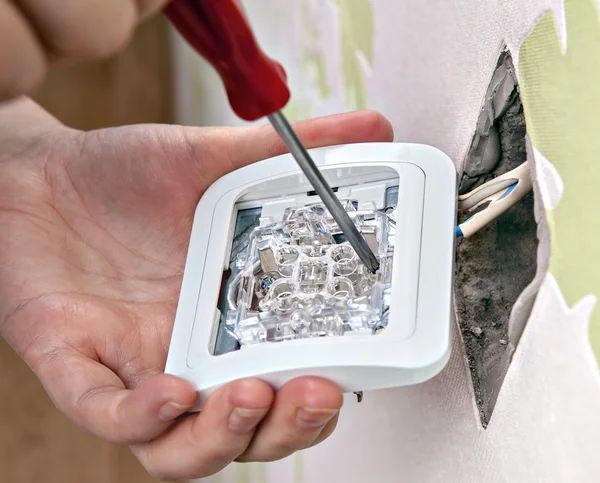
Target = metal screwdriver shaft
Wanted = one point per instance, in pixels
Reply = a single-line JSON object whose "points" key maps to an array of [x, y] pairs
{"points": [[316, 179]]}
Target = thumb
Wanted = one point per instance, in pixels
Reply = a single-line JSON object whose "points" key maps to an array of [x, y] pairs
{"points": [[94, 397]]}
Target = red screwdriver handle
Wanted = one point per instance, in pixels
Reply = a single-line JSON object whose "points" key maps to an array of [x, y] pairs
{"points": [[219, 32]]}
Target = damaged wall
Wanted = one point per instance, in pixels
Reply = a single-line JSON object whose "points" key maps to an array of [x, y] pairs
{"points": [[498, 263]]}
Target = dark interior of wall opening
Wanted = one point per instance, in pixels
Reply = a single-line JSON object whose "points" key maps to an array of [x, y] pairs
{"points": [[496, 264]]}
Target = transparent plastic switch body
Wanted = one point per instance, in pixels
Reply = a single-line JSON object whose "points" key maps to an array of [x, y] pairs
{"points": [[271, 289], [298, 278]]}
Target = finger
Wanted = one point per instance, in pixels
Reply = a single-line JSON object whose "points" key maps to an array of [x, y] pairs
{"points": [[94, 398], [22, 61], [302, 410], [82, 29], [204, 443], [232, 148], [261, 142]]}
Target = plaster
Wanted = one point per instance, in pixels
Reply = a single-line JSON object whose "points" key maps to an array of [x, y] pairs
{"points": [[496, 265]]}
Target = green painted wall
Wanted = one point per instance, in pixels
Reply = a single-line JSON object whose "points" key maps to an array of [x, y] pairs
{"points": [[561, 97]]}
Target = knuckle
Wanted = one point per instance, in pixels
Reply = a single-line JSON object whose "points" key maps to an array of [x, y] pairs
{"points": [[200, 468], [290, 443], [222, 455], [280, 447], [213, 455], [40, 344], [83, 403], [216, 457], [119, 430]]}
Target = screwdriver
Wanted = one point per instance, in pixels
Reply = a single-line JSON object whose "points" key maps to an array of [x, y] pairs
{"points": [[256, 86]]}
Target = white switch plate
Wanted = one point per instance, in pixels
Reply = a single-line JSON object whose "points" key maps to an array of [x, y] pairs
{"points": [[416, 343]]}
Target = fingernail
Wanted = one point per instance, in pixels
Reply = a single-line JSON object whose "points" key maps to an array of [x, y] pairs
{"points": [[314, 417], [170, 411], [243, 420]]}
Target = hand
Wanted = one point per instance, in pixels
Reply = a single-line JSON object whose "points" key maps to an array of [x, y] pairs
{"points": [[36, 32], [94, 228]]}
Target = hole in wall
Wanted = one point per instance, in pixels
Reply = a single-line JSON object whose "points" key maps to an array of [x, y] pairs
{"points": [[497, 264]]}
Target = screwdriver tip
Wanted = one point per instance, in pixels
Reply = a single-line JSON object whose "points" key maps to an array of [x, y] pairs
{"points": [[374, 266]]}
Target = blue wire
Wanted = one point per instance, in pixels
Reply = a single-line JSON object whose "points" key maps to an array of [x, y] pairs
{"points": [[459, 231]]}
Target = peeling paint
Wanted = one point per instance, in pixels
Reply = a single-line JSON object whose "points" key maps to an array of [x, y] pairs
{"points": [[312, 64], [356, 27], [297, 109], [561, 93], [551, 184], [317, 61], [314, 58]]}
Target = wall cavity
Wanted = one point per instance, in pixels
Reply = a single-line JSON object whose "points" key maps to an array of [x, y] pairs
{"points": [[497, 264]]}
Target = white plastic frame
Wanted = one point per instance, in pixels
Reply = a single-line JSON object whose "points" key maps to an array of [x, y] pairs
{"points": [[416, 343]]}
